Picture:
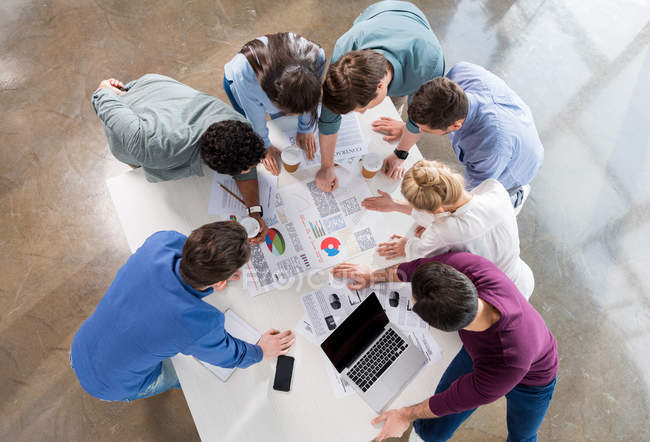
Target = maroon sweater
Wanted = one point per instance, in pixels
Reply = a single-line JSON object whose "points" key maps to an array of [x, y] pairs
{"points": [[517, 349]]}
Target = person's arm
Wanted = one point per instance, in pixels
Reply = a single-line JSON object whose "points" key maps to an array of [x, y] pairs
{"points": [[121, 122], [393, 166], [385, 203], [328, 128], [219, 348], [396, 422], [362, 276], [430, 243], [249, 188], [482, 386]]}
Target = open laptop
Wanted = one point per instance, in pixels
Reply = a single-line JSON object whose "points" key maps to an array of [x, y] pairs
{"points": [[372, 355]]}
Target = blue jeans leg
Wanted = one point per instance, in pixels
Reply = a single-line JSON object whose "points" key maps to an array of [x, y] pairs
{"points": [[165, 381], [527, 406], [231, 97], [442, 428]]}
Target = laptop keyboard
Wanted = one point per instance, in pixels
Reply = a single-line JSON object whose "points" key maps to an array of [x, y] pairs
{"points": [[376, 360]]}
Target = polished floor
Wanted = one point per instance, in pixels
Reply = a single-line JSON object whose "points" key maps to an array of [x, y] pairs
{"points": [[583, 66]]}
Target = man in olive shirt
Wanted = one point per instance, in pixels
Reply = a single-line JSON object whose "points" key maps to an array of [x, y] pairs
{"points": [[169, 129]]}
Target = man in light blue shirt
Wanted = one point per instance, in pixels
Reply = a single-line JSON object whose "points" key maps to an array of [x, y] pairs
{"points": [[154, 310], [491, 129], [390, 50]]}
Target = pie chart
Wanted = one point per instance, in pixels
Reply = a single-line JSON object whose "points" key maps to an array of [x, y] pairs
{"points": [[275, 242], [330, 246]]}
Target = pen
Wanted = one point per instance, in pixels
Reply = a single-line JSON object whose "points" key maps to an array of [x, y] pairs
{"points": [[232, 194]]}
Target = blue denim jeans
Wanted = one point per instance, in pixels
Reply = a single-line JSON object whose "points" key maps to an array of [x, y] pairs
{"points": [[526, 407], [165, 381]]}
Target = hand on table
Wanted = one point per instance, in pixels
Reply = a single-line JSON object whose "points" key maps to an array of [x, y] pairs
{"points": [[261, 237], [359, 273], [115, 85], [326, 179], [394, 248], [419, 230], [393, 167], [391, 128], [274, 342], [270, 160], [395, 424], [307, 142], [222, 285], [382, 203]]}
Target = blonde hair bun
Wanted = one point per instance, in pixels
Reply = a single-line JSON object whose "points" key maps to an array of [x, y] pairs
{"points": [[431, 184]]}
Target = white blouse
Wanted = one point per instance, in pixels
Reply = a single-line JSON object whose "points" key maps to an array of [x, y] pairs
{"points": [[485, 226]]}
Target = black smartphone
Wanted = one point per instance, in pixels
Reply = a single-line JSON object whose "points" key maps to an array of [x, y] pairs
{"points": [[283, 372]]}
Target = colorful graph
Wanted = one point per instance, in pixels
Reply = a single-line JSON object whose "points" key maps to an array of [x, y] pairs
{"points": [[317, 229], [330, 245], [275, 242]]}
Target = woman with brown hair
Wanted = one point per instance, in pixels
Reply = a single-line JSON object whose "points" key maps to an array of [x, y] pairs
{"points": [[273, 75], [451, 219]]}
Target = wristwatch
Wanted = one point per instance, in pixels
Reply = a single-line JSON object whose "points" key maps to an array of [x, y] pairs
{"points": [[255, 209], [401, 154]]}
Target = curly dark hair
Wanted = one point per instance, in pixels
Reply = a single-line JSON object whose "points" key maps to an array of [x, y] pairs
{"points": [[231, 147]]}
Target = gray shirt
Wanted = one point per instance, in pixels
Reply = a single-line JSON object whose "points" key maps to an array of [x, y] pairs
{"points": [[157, 124]]}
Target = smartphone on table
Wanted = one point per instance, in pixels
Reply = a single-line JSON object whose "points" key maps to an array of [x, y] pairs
{"points": [[283, 373]]}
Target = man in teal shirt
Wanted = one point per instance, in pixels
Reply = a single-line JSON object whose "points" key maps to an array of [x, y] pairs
{"points": [[170, 129], [390, 50]]}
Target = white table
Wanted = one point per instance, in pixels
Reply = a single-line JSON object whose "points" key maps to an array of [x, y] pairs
{"points": [[246, 408]]}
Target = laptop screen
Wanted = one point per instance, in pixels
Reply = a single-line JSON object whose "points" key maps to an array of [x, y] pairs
{"points": [[356, 333]]}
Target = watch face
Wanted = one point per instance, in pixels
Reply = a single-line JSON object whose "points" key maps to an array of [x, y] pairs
{"points": [[401, 154]]}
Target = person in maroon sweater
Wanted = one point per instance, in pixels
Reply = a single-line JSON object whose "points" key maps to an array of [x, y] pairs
{"points": [[507, 348]]}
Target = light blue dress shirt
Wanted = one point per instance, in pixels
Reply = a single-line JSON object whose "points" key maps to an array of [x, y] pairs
{"points": [[401, 33], [150, 314], [498, 138], [249, 94]]}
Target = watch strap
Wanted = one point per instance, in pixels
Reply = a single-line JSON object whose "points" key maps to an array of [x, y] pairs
{"points": [[401, 154]]}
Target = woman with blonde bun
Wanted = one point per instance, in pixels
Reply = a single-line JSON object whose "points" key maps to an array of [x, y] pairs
{"points": [[450, 219]]}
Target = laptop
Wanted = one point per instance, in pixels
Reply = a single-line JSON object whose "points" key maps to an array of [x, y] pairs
{"points": [[372, 355]]}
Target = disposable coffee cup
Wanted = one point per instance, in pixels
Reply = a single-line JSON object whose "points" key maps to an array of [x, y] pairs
{"points": [[251, 225], [291, 158], [371, 163]]}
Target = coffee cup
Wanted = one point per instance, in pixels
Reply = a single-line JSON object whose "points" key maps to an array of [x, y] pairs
{"points": [[291, 158], [370, 165], [251, 225]]}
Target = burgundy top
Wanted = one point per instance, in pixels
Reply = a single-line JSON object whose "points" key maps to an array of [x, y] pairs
{"points": [[518, 348]]}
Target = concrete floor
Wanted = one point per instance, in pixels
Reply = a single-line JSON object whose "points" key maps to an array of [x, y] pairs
{"points": [[582, 66]]}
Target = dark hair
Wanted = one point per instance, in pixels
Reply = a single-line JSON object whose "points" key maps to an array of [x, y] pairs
{"points": [[287, 68], [213, 253], [438, 104], [231, 147], [352, 81], [445, 298]]}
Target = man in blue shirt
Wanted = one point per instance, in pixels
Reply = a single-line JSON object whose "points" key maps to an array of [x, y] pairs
{"points": [[491, 129], [153, 310], [390, 51]]}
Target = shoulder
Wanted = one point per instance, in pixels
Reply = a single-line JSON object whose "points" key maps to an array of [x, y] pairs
{"points": [[482, 272], [465, 71], [166, 238], [491, 187]]}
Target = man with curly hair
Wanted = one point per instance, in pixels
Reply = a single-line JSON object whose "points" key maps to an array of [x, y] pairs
{"points": [[168, 128]]}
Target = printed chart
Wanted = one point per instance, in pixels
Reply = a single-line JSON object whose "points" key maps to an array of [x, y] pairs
{"points": [[313, 230]]}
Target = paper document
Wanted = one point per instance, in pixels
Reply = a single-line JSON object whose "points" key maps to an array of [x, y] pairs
{"points": [[240, 329], [350, 143], [313, 230], [395, 298], [339, 385], [223, 203]]}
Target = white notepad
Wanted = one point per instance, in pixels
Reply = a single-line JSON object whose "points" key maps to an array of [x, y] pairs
{"points": [[240, 329]]}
